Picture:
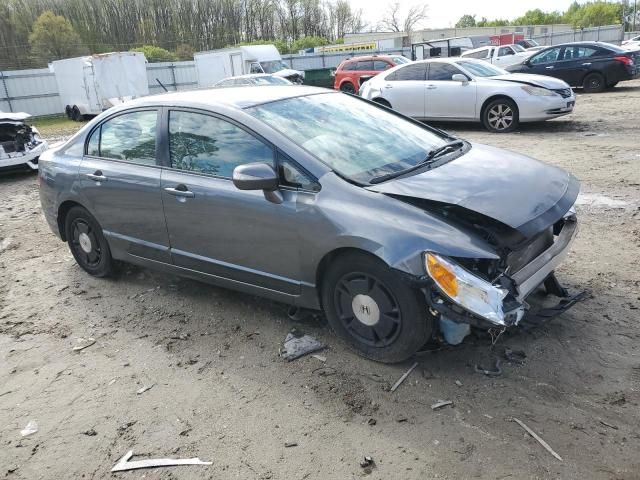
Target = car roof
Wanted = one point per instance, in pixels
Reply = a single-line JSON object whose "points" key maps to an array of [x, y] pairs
{"points": [[234, 97], [370, 57], [250, 75]]}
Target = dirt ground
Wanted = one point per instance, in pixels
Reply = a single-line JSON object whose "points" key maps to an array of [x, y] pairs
{"points": [[221, 393]]}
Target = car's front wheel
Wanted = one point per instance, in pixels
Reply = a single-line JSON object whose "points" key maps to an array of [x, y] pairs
{"points": [[501, 116], [87, 243], [373, 309]]}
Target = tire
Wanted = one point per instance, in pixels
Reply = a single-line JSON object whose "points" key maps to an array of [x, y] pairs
{"points": [[390, 321], [76, 116], [501, 116], [87, 243], [383, 102], [593, 83], [347, 87], [68, 112]]}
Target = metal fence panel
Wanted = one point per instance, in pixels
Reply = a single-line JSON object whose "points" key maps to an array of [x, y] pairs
{"points": [[173, 75], [610, 34], [33, 91]]}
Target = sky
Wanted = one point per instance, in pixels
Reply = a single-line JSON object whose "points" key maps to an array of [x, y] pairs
{"points": [[445, 13]]}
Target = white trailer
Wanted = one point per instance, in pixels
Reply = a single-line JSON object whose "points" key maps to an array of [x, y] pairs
{"points": [[89, 85], [215, 65]]}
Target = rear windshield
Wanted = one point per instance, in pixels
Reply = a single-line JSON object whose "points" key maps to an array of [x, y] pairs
{"points": [[353, 137]]}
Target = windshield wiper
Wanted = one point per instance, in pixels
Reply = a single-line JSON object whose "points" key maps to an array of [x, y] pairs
{"points": [[430, 158]]}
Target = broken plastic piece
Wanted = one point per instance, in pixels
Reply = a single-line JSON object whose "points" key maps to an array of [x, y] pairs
{"points": [[296, 347], [30, 429], [539, 440], [124, 463], [440, 404], [454, 333], [403, 377], [496, 372]]}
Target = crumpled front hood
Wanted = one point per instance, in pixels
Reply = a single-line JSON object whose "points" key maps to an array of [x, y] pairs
{"points": [[536, 80], [513, 189], [287, 72]]}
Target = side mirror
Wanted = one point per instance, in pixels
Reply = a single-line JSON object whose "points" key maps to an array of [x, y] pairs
{"points": [[255, 176], [458, 77]]}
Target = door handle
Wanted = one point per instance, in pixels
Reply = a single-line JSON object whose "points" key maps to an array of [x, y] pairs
{"points": [[586, 64], [388, 86], [549, 67], [96, 176], [180, 191], [431, 87]]}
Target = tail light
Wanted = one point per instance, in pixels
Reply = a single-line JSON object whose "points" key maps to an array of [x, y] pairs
{"points": [[626, 60]]}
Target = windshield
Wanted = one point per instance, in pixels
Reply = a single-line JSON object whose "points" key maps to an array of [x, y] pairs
{"points": [[401, 60], [518, 48], [270, 81], [481, 69], [273, 66], [354, 138]]}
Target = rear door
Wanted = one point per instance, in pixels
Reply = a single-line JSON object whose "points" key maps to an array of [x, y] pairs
{"points": [[446, 98], [119, 180], [215, 228], [405, 89]]}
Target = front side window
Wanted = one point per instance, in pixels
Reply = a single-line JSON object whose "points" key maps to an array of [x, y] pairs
{"points": [[378, 143], [442, 71], [205, 144], [547, 56], [504, 51], [130, 137], [415, 71], [291, 175]]}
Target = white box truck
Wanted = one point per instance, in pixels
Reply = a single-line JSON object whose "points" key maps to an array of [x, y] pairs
{"points": [[89, 85], [214, 65]]}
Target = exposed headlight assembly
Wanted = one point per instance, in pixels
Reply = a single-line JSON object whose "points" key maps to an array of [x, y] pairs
{"points": [[465, 289], [538, 91]]}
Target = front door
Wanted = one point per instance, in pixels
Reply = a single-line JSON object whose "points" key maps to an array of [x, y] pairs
{"points": [[120, 184], [215, 228], [405, 90], [447, 98], [544, 63]]}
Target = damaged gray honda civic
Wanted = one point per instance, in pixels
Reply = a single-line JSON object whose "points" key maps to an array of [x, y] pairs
{"points": [[398, 232]]}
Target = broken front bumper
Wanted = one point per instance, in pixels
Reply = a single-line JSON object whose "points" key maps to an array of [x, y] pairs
{"points": [[519, 284], [29, 157]]}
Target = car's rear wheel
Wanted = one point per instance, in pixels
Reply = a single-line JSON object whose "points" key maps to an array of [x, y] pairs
{"points": [[87, 243], [501, 116], [370, 307], [382, 101], [593, 83], [347, 87]]}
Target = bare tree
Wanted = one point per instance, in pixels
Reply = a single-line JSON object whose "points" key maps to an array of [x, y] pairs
{"points": [[393, 20]]}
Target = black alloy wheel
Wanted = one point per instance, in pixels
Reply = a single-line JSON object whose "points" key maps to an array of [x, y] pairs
{"points": [[87, 243]]}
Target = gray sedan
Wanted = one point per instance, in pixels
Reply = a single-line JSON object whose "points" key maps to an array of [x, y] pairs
{"points": [[318, 199]]}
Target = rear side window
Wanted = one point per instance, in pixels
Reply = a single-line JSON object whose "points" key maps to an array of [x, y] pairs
{"points": [[205, 144], [349, 66], [365, 66], [442, 71], [130, 137], [415, 71]]}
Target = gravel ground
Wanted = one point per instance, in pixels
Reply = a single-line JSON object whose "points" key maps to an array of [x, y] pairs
{"points": [[221, 393]]}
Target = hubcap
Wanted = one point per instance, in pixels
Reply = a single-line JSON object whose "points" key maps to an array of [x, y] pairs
{"points": [[85, 242], [366, 309], [500, 117]]}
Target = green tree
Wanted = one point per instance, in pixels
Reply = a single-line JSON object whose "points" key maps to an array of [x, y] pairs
{"points": [[483, 22], [53, 37], [466, 21], [156, 54], [308, 42], [538, 17], [594, 14]]}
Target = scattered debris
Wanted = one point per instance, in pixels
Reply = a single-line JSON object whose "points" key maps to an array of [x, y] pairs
{"points": [[90, 433], [124, 463], [145, 388], [367, 464], [496, 372], [290, 444], [403, 377], [515, 356], [458, 383], [324, 371], [372, 422], [440, 404], [608, 425], [87, 344], [322, 358], [296, 347], [401, 419], [29, 429], [540, 440]]}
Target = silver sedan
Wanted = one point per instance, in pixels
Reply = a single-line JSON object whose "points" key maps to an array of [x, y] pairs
{"points": [[461, 89]]}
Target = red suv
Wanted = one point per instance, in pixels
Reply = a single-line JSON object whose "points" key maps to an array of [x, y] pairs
{"points": [[352, 72]]}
